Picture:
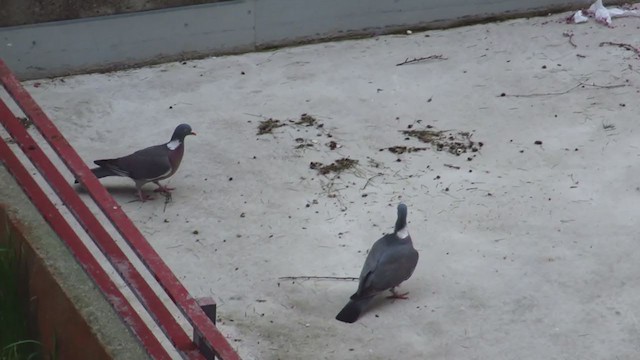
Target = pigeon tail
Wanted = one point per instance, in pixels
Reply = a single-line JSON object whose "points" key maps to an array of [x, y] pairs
{"points": [[109, 167], [101, 172], [352, 311], [401, 223]]}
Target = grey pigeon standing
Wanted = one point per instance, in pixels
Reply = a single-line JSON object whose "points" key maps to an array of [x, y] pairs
{"points": [[391, 261], [151, 164]]}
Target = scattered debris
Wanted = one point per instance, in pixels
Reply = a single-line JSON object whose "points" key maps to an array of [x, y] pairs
{"points": [[622, 45], [303, 146], [569, 34], [333, 145], [607, 127], [455, 143], [452, 166], [574, 181], [426, 136], [306, 120], [267, 126], [337, 166], [305, 143], [416, 60], [538, 142], [404, 149], [374, 163]]}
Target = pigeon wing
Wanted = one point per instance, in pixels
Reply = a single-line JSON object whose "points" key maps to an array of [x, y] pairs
{"points": [[147, 164], [394, 267]]}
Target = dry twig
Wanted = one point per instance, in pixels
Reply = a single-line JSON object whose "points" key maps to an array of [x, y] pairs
{"points": [[569, 34], [581, 84], [167, 200], [369, 180], [415, 60], [622, 45]]}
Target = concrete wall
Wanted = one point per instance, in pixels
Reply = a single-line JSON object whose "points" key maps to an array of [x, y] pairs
{"points": [[67, 313], [111, 42], [22, 12]]}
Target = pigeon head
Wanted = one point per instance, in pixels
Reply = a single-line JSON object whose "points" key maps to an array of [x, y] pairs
{"points": [[181, 132], [401, 223]]}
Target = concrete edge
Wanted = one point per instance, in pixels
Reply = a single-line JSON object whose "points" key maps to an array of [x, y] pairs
{"points": [[67, 312]]}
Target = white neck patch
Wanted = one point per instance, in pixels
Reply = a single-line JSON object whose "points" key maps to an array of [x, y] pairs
{"points": [[403, 233], [173, 144]]}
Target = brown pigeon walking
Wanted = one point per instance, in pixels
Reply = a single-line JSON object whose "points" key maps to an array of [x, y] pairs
{"points": [[151, 164]]}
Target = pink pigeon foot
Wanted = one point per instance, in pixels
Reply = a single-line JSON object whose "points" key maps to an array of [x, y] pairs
{"points": [[163, 189], [396, 295]]}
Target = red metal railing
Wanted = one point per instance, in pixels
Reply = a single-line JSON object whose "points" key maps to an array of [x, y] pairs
{"points": [[81, 253], [204, 329]]}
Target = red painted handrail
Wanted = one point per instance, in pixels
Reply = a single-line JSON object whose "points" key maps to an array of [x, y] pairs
{"points": [[203, 326], [96, 231], [61, 227]]}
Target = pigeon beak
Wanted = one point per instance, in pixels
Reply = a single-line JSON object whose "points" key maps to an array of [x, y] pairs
{"points": [[192, 133]]}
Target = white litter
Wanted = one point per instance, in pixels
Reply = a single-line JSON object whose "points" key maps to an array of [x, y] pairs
{"points": [[578, 17], [601, 14]]}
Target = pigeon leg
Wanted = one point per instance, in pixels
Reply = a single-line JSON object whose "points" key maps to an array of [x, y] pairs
{"points": [[396, 295], [143, 197], [162, 188]]}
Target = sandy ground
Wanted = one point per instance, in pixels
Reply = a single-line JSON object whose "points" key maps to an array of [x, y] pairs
{"points": [[527, 251]]}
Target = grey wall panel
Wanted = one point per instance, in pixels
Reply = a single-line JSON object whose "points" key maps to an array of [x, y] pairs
{"points": [[103, 43], [100, 43], [22, 12], [285, 21]]}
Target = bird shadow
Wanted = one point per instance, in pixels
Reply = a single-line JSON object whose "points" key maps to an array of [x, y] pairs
{"points": [[126, 192], [112, 189], [129, 194]]}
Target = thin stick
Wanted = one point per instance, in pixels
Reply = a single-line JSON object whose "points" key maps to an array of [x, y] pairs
{"points": [[622, 45], [167, 200], [569, 34], [369, 180], [566, 91], [318, 278], [415, 60]]}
